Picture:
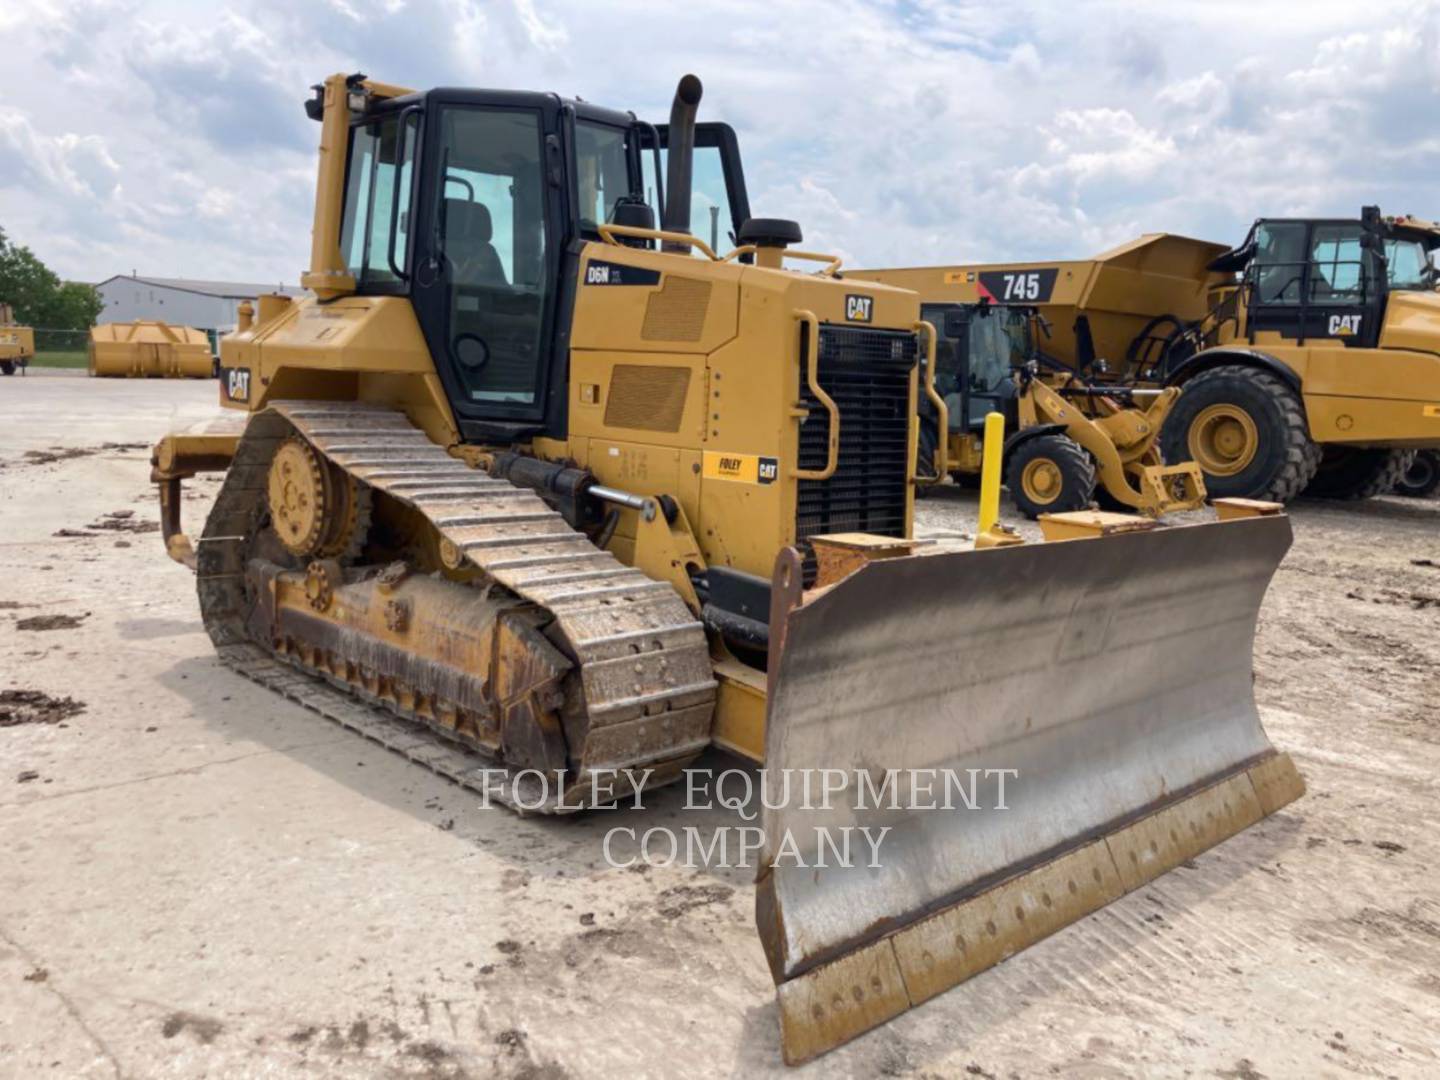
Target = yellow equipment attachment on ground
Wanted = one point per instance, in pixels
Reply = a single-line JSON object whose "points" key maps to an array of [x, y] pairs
{"points": [[17, 343], [1308, 356], [149, 348], [534, 493]]}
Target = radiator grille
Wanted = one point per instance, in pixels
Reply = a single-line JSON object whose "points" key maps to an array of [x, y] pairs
{"points": [[867, 373], [676, 312], [647, 398]]}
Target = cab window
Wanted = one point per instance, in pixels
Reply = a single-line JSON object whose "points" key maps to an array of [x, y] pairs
{"points": [[1407, 265], [492, 233], [710, 217], [1337, 264], [1278, 268], [602, 166], [377, 199]]}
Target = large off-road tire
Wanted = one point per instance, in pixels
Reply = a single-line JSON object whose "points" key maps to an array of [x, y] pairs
{"points": [[7, 367], [1357, 473], [1246, 429], [1050, 475], [1422, 479]]}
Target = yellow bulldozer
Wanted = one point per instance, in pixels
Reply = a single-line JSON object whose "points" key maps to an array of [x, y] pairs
{"points": [[1070, 440], [551, 499], [1308, 356], [17, 343], [149, 348]]}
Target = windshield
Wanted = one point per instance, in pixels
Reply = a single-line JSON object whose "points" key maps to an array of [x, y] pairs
{"points": [[1407, 264]]}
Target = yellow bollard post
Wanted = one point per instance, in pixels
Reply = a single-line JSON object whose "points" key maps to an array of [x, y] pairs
{"points": [[990, 532]]}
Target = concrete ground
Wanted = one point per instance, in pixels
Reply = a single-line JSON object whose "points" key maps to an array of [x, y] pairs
{"points": [[200, 879]]}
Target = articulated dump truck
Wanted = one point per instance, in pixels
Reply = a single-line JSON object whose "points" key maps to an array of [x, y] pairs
{"points": [[1308, 357], [149, 348], [530, 485]]}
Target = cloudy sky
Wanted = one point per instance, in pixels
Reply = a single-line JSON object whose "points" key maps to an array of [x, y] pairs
{"points": [[169, 136]]}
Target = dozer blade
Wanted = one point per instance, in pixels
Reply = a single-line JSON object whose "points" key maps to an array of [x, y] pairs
{"points": [[1111, 677]]}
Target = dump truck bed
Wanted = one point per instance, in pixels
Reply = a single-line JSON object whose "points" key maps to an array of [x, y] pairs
{"points": [[1125, 287]]}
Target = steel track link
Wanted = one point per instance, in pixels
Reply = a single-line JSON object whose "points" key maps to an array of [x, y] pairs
{"points": [[642, 657]]}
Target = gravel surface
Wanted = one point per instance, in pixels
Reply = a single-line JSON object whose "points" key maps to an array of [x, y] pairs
{"points": [[201, 879]]}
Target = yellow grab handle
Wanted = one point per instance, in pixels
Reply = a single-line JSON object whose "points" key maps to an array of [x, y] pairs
{"points": [[941, 464], [812, 378], [608, 233], [990, 464]]}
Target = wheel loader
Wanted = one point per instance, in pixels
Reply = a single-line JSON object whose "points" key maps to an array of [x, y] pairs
{"points": [[17, 343], [1308, 356], [544, 496], [1067, 435]]}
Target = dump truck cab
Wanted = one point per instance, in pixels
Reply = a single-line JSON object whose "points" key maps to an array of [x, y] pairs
{"points": [[1292, 281]]}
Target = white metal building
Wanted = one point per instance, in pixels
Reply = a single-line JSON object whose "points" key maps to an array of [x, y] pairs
{"points": [[206, 305]]}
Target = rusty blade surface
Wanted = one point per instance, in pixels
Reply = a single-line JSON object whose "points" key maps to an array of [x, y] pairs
{"points": [[1112, 677]]}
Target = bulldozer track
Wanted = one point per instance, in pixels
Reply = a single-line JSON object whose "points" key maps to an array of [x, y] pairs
{"points": [[642, 657]]}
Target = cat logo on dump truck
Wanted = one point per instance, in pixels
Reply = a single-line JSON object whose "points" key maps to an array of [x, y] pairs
{"points": [[742, 468], [1344, 325], [859, 308]]}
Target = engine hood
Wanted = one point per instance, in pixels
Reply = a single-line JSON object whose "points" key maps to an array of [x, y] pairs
{"points": [[1412, 321]]}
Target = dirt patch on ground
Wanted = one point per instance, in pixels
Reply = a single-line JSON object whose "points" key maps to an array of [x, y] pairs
{"points": [[677, 900], [69, 453], [125, 521], [34, 707], [51, 622]]}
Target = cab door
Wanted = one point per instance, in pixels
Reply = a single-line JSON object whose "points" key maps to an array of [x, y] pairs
{"points": [[485, 274]]}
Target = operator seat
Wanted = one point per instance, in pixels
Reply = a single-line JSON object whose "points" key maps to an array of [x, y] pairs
{"points": [[468, 231]]}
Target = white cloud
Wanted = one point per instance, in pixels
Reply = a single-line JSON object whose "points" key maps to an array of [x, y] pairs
{"points": [[169, 135]]}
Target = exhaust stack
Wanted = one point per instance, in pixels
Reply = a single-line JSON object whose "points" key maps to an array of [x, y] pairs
{"points": [[680, 164]]}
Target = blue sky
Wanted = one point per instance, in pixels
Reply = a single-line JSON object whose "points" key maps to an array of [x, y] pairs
{"points": [[168, 137]]}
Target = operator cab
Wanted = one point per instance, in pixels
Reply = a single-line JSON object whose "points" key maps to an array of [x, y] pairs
{"points": [[476, 203], [977, 349], [1329, 278]]}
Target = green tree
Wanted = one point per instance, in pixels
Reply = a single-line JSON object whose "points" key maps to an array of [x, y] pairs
{"points": [[38, 295]]}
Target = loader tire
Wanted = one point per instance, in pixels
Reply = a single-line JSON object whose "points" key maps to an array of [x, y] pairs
{"points": [[1246, 430], [7, 366], [1050, 475], [1358, 473], [1422, 479]]}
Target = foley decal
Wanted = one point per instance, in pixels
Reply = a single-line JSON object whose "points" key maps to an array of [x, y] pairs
{"points": [[742, 468]]}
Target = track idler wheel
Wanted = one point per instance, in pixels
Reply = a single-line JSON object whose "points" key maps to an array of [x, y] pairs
{"points": [[316, 508]]}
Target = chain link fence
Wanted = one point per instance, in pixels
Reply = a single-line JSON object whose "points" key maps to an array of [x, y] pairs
{"points": [[61, 348]]}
